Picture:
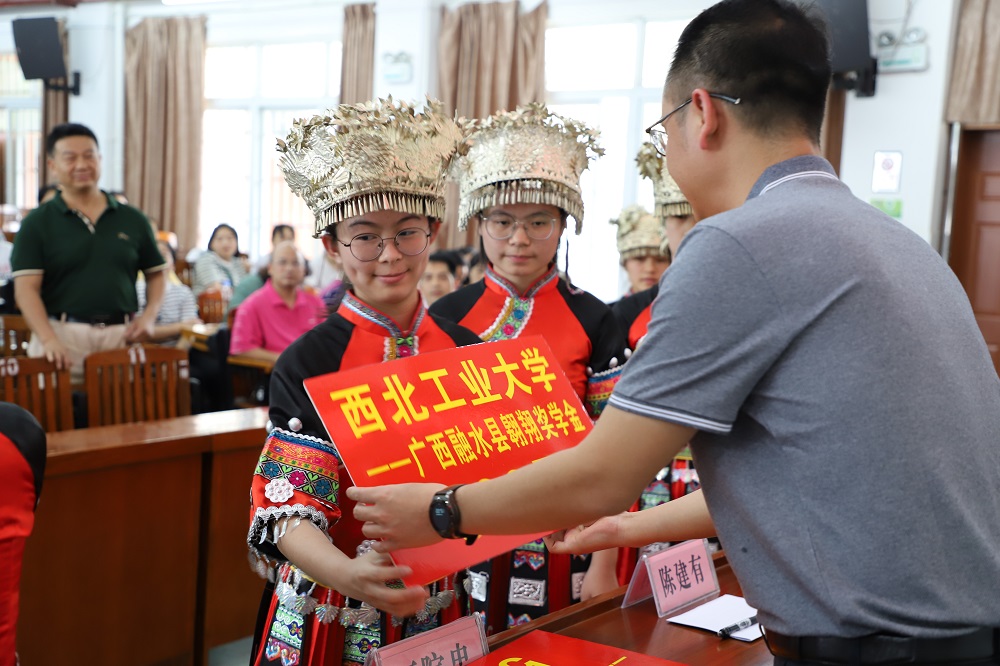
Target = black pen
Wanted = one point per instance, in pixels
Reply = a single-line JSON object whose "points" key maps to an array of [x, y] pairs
{"points": [[733, 628]]}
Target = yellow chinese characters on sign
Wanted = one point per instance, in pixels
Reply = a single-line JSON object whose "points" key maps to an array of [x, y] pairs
{"points": [[452, 416], [455, 416]]}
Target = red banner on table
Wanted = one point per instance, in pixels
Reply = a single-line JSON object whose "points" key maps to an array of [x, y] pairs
{"points": [[455, 416], [544, 649]]}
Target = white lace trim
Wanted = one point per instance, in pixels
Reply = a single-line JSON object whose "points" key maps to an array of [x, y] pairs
{"points": [[264, 529]]}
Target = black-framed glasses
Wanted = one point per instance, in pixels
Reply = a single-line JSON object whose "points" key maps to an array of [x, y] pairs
{"points": [[658, 137], [501, 226], [368, 247]]}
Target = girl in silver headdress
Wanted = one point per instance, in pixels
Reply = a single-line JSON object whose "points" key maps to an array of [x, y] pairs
{"points": [[373, 175], [520, 183]]}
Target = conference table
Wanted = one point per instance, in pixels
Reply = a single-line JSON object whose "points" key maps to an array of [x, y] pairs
{"points": [[139, 552], [139, 555], [639, 629]]}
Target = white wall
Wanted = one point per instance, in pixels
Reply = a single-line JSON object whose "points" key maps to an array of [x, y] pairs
{"points": [[407, 27], [907, 115]]}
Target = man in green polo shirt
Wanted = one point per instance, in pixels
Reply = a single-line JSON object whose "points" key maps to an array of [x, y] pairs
{"points": [[76, 258]]}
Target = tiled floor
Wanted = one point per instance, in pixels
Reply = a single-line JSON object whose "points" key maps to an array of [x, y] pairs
{"points": [[236, 653]]}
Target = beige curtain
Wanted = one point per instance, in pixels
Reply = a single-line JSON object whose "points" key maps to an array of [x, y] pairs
{"points": [[357, 72], [490, 58], [55, 109], [974, 99], [164, 97]]}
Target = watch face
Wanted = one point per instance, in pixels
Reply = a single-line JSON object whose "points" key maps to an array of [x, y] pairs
{"points": [[440, 516]]}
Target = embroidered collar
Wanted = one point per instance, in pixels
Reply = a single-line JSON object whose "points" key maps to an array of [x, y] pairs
{"points": [[497, 283], [398, 344], [517, 309]]}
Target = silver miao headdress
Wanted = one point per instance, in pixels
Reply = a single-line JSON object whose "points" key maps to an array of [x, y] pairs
{"points": [[359, 158], [528, 155], [640, 233], [668, 197]]}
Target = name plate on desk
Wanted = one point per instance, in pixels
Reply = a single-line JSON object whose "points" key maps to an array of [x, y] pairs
{"points": [[540, 648], [454, 416], [675, 577], [459, 642]]}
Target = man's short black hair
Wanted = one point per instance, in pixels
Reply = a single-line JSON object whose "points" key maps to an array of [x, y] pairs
{"points": [[67, 129], [773, 55], [446, 257]]}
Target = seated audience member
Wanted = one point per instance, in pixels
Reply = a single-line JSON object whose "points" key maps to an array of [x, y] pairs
{"points": [[221, 266], [279, 312], [439, 276], [22, 466], [6, 283], [247, 286], [179, 308], [281, 232], [5, 249]]}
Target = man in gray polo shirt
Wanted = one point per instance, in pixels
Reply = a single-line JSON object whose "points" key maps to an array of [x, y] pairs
{"points": [[844, 409]]}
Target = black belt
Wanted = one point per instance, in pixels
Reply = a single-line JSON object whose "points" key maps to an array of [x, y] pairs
{"points": [[981, 644], [97, 320]]}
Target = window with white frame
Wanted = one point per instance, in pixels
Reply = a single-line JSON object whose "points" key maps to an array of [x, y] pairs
{"points": [[253, 93], [20, 141], [616, 89]]}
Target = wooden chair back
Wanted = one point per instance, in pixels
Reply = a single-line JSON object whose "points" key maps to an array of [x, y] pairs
{"points": [[36, 385], [211, 306], [184, 270], [14, 336], [138, 383]]}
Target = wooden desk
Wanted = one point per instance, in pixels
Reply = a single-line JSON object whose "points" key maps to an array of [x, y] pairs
{"points": [[245, 361], [196, 336], [138, 555], [637, 628]]}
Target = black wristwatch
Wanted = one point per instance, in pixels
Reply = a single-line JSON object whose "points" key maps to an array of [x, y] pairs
{"points": [[446, 518]]}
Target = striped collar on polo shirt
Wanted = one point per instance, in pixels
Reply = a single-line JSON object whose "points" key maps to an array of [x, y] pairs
{"points": [[804, 166]]}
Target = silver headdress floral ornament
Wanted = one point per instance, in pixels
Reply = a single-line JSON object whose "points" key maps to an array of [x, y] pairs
{"points": [[359, 158], [640, 233], [528, 155], [670, 201]]}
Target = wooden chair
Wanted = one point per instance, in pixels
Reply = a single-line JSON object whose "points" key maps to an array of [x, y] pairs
{"points": [[211, 306], [138, 383], [36, 385], [14, 336]]}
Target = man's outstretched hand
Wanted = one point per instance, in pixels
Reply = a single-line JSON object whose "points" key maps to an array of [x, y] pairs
{"points": [[397, 515], [604, 533]]}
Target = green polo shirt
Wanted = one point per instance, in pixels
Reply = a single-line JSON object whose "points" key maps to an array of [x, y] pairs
{"points": [[88, 269]]}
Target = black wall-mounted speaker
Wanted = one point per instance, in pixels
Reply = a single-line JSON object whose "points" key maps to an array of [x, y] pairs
{"points": [[38, 48]]}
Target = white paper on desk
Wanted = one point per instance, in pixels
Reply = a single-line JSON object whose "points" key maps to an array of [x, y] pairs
{"points": [[719, 613]]}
